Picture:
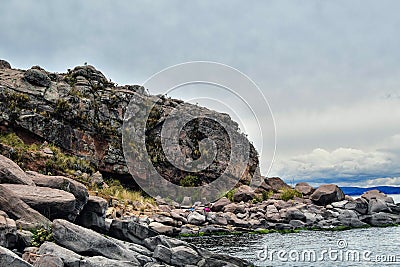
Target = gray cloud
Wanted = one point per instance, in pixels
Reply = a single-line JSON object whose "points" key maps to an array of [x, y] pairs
{"points": [[327, 67]]}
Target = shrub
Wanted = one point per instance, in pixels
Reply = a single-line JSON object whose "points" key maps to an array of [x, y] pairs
{"points": [[289, 193], [190, 181], [230, 193], [40, 236]]}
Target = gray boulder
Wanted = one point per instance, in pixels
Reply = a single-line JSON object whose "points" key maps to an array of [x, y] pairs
{"points": [[377, 205], [9, 258], [8, 232], [11, 173], [220, 204], [376, 194], [93, 214], [295, 214], [37, 77], [304, 188], [62, 183], [161, 228], [276, 184], [24, 215], [326, 194], [379, 219], [243, 193], [88, 242], [72, 259], [52, 203], [184, 256], [130, 231], [196, 218]]}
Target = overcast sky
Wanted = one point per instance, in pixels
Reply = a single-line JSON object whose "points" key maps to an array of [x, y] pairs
{"points": [[329, 69]]}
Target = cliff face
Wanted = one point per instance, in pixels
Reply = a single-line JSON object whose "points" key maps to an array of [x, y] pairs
{"points": [[82, 112]]}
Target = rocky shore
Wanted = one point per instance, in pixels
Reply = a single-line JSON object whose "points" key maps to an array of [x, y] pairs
{"points": [[53, 221], [61, 153]]}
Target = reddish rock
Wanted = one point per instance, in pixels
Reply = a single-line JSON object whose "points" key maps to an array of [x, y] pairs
{"points": [[326, 194]]}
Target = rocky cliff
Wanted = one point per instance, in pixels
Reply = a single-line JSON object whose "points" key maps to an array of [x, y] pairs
{"points": [[82, 112]]}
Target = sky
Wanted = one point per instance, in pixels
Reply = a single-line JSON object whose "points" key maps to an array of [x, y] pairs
{"points": [[330, 70]]}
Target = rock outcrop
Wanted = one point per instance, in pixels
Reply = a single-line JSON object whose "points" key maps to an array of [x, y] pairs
{"points": [[82, 112]]}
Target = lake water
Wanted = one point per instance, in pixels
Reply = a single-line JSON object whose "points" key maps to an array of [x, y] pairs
{"points": [[356, 247]]}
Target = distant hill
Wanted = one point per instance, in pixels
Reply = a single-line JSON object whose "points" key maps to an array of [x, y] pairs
{"points": [[353, 191]]}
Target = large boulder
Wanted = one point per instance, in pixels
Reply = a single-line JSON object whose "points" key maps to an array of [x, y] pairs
{"points": [[244, 193], [326, 194], [70, 258], [161, 228], [377, 205], [379, 219], [220, 204], [37, 77], [4, 64], [87, 242], [52, 203], [130, 231], [275, 184], [9, 258], [24, 215], [295, 214], [304, 188], [11, 173], [62, 183], [93, 215], [376, 194]]}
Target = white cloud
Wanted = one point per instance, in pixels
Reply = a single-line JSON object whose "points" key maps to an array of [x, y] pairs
{"points": [[343, 166]]}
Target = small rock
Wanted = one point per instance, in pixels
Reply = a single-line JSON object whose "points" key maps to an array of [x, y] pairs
{"points": [[186, 202], [339, 204], [96, 178], [196, 218]]}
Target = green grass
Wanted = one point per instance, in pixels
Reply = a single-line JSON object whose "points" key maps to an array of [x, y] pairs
{"points": [[116, 190]]}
